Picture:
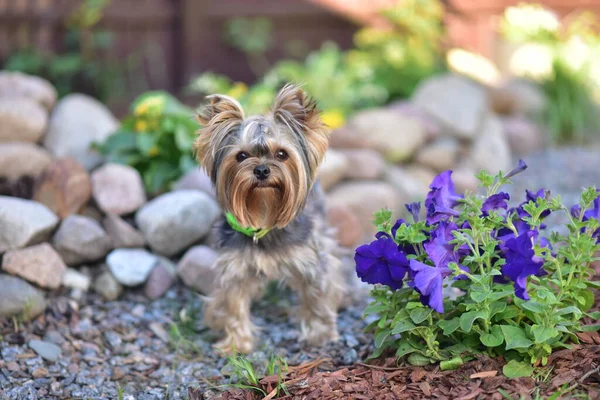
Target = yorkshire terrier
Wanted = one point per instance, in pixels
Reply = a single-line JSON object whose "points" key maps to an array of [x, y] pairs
{"points": [[264, 171]]}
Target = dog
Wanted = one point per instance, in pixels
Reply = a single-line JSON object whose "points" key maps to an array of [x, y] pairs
{"points": [[264, 170]]}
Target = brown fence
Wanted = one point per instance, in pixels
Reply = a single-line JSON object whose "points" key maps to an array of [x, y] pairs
{"points": [[161, 44]]}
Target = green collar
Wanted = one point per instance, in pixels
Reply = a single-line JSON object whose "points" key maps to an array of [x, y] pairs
{"points": [[251, 232]]}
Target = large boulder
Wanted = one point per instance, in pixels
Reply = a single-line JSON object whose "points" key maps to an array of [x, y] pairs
{"points": [[118, 189], [39, 264], [21, 120], [456, 102], [19, 298], [64, 187], [23, 223], [176, 220], [490, 150], [19, 159], [412, 185], [346, 223], [333, 169], [81, 239], [523, 135], [364, 164], [197, 268], [196, 179], [19, 85], [77, 122], [440, 155]]}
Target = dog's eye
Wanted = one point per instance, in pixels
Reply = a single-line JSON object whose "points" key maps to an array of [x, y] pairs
{"points": [[281, 155], [241, 156]]}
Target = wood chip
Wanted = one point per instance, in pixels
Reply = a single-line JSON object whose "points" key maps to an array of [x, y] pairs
{"points": [[484, 374]]}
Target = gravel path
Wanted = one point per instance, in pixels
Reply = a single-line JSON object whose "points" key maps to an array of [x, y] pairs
{"points": [[157, 349]]}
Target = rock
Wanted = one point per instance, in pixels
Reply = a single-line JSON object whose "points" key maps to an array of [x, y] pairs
{"points": [[19, 159], [64, 187], [196, 179], [364, 198], [333, 169], [490, 150], [464, 179], [456, 102], [131, 267], [92, 212], [394, 135], [173, 221], [197, 268], [406, 183], [24, 222], [20, 85], [77, 122], [408, 109], [364, 164], [81, 239], [19, 298], [39, 264], [346, 138], [439, 155], [350, 357], [48, 351], [524, 136], [76, 280], [121, 233], [347, 225], [54, 337], [118, 189], [422, 174], [162, 277], [21, 120], [107, 286], [528, 99]]}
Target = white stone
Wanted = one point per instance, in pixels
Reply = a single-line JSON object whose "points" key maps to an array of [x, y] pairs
{"points": [[24, 222], [131, 267]]}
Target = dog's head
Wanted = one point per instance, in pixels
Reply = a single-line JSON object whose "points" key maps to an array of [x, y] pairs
{"points": [[262, 167]]}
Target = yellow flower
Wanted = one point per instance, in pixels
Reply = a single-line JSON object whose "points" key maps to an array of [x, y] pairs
{"points": [[238, 90], [153, 151], [151, 104], [333, 118], [141, 126]]}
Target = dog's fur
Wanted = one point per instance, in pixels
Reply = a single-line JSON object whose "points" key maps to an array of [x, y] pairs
{"points": [[298, 249]]}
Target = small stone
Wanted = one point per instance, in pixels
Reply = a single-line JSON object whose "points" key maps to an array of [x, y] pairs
{"points": [[24, 222], [19, 85], [48, 351], [76, 123], [19, 159], [173, 221], [196, 179], [21, 120], [131, 267], [159, 331], [347, 225], [162, 277], [350, 357], [19, 298], [113, 339], [39, 373], [107, 286], [118, 189], [76, 280], [39, 264], [80, 239], [439, 155], [364, 164], [122, 234], [64, 187], [456, 102], [333, 169], [197, 268], [54, 337]]}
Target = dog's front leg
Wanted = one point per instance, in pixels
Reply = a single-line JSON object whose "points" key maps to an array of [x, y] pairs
{"points": [[228, 306]]}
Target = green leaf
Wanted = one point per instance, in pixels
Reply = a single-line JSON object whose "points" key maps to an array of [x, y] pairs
{"points": [[376, 353], [543, 333], [586, 299], [419, 315], [381, 336], [515, 369], [183, 138], [593, 284], [479, 297], [146, 143], [403, 326], [119, 142], [533, 306], [458, 349], [590, 328], [570, 310], [413, 304], [494, 338], [594, 315], [418, 359], [510, 313], [376, 308], [515, 337], [497, 295], [467, 319], [449, 325], [404, 348], [452, 364]]}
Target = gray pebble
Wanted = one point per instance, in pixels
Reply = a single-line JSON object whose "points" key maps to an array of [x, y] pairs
{"points": [[48, 351]]}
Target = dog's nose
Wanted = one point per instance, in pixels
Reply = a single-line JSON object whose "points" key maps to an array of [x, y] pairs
{"points": [[262, 172]]}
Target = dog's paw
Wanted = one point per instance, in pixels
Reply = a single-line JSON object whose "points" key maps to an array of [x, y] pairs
{"points": [[318, 334], [231, 345]]}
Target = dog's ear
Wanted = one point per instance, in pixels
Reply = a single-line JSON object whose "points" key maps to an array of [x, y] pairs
{"points": [[296, 109], [218, 116]]}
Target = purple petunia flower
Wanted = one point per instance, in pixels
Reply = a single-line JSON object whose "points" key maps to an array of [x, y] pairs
{"points": [[521, 262], [414, 209], [517, 170], [381, 262], [439, 250], [427, 280], [495, 201], [441, 198]]}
